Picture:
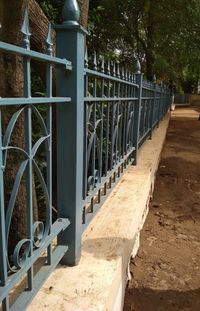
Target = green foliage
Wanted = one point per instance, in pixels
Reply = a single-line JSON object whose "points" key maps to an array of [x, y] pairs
{"points": [[52, 8], [163, 34]]}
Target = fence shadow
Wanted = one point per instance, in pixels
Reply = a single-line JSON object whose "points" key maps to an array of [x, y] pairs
{"points": [[146, 299]]}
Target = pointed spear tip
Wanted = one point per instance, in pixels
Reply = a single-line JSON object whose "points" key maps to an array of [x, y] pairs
{"points": [[102, 64], [95, 61], [25, 25], [114, 69], [108, 66], [138, 66], [86, 57], [123, 76], [86, 54], [49, 36], [118, 70]]}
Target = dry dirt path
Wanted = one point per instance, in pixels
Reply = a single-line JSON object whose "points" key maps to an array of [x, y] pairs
{"points": [[166, 271]]}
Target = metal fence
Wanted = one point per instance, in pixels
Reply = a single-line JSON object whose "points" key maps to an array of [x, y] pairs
{"points": [[104, 114]]}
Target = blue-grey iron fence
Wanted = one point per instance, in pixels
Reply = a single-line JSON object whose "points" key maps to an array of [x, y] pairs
{"points": [[104, 114]]}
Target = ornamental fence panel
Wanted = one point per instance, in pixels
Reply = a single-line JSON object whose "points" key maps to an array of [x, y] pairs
{"points": [[104, 114]]}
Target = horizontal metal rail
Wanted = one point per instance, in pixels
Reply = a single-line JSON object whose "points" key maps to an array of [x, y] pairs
{"points": [[109, 99], [13, 49], [97, 74], [33, 100]]}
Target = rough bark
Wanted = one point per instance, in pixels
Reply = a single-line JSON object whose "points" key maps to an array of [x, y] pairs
{"points": [[84, 8]]}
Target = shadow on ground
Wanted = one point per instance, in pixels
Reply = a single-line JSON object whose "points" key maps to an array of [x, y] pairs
{"points": [[145, 299]]}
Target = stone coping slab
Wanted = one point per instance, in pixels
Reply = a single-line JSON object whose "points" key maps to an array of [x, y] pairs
{"points": [[98, 282]]}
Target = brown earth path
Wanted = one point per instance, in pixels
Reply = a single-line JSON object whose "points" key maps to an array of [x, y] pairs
{"points": [[166, 271]]}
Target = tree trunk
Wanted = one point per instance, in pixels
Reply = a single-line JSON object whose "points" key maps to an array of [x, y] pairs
{"points": [[149, 65], [150, 59], [84, 8]]}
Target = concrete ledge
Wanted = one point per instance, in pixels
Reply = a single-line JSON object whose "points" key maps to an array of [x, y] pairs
{"points": [[98, 282]]}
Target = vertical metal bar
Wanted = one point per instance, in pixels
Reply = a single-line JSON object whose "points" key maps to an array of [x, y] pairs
{"points": [[29, 170], [49, 77], [116, 108], [28, 141], [122, 112], [133, 110], [101, 139], [85, 164], [107, 136], [120, 123], [153, 109], [139, 79], [124, 121], [3, 246], [112, 134], [161, 101], [94, 128]]}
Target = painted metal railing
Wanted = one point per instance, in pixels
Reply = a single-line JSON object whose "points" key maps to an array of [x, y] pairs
{"points": [[121, 111], [40, 235], [104, 114], [111, 97]]}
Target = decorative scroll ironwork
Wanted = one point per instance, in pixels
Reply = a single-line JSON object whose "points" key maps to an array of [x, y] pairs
{"points": [[111, 99], [120, 112]]}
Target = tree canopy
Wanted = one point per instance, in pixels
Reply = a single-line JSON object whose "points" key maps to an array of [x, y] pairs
{"points": [[164, 35]]}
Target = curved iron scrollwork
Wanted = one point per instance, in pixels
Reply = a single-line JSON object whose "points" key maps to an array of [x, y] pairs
{"points": [[40, 230], [93, 146]]}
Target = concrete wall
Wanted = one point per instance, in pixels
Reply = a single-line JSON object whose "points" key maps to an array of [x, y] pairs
{"points": [[194, 98]]}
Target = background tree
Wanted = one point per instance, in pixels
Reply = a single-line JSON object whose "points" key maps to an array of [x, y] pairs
{"points": [[163, 34]]}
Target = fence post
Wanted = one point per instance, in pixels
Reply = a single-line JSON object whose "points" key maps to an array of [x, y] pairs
{"points": [[70, 45], [139, 79]]}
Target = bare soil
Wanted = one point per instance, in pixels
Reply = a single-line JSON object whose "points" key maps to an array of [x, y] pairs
{"points": [[166, 271]]}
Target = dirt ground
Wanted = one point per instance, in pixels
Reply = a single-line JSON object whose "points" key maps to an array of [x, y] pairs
{"points": [[166, 271]]}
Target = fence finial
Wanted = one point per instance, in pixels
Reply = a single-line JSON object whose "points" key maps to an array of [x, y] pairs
{"points": [[71, 12], [25, 30], [126, 74], [138, 66], [114, 69], [108, 67], [49, 41], [118, 70], [102, 65], [123, 75], [86, 57], [95, 61]]}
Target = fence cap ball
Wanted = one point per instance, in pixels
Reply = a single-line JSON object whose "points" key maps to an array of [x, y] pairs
{"points": [[71, 12]]}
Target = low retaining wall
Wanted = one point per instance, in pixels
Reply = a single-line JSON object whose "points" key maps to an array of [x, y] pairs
{"points": [[194, 98], [98, 282]]}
